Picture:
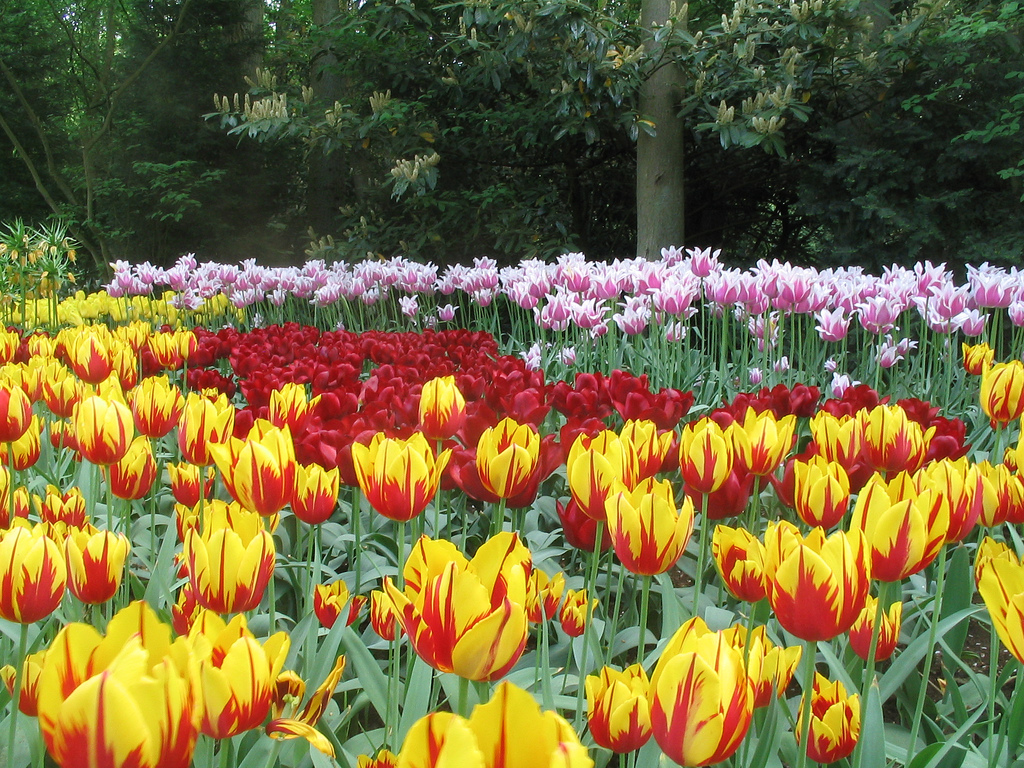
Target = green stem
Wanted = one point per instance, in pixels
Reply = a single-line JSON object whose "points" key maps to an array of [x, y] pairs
{"points": [[464, 696], [940, 581], [869, 667], [645, 595], [588, 626], [19, 679], [356, 518], [271, 589], [993, 694], [614, 618], [810, 654], [702, 554]]}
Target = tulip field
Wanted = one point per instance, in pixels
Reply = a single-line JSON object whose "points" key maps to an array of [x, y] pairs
{"points": [[556, 514]]}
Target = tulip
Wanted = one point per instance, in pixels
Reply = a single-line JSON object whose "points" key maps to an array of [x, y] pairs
{"points": [[383, 759], [739, 556], [398, 477], [904, 535], [383, 616], [580, 530], [977, 357], [506, 457], [261, 476], [1002, 392], [156, 406], [648, 532], [32, 574], [11, 340], [24, 452], [485, 739], [329, 600], [68, 507], [761, 442], [230, 567], [133, 476], [15, 412], [203, 423], [769, 667], [61, 390], [959, 489], [892, 442], [648, 446], [290, 407], [28, 702], [618, 712], [186, 610], [95, 564], [888, 631], [1000, 577], [575, 612], [301, 723], [316, 493], [835, 721], [705, 456], [90, 356], [701, 697], [544, 595], [103, 429], [817, 586], [594, 467], [838, 439], [185, 483], [442, 409], [821, 491], [237, 674]]}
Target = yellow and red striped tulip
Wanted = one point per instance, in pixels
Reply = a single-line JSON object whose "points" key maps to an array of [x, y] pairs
{"points": [[24, 452], [650, 447], [959, 486], [446, 740], [301, 723], [595, 468], [95, 561], [821, 491], [544, 595], [770, 667], [904, 530], [28, 703], [739, 556], [89, 355], [203, 423], [977, 357], [761, 441], [11, 340], [706, 455], [618, 711], [134, 335], [506, 457], [892, 442], [817, 586], [103, 429], [835, 721], [230, 565], [134, 475], [888, 631], [701, 697], [185, 482], [262, 474], [61, 391], [1002, 392], [1002, 494], [68, 507], [316, 493], [648, 532], [329, 600], [186, 610], [156, 406], [383, 759], [237, 673], [1000, 577], [576, 611], [838, 438], [126, 366], [399, 477], [383, 616], [442, 409], [15, 412], [291, 407], [32, 573]]}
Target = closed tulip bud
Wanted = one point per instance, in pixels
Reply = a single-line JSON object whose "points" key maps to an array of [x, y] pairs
{"points": [[9, 343], [329, 600], [104, 430], [262, 474], [596, 468], [62, 435], [383, 616], [95, 561], [24, 452], [28, 702], [761, 442], [959, 488], [316, 493], [126, 367], [185, 483], [506, 457], [576, 611], [442, 408], [398, 477], [976, 357], [888, 632], [705, 455], [648, 532], [167, 349], [891, 441], [904, 530], [618, 712], [230, 567], [821, 491], [61, 391], [134, 335], [15, 412], [579, 529], [445, 739], [204, 423], [1000, 577], [156, 406], [290, 407], [90, 356], [739, 556], [133, 476], [186, 610], [817, 586], [838, 438], [544, 595], [835, 721], [1002, 392], [769, 667], [32, 574], [701, 697], [237, 673], [68, 507], [648, 446]]}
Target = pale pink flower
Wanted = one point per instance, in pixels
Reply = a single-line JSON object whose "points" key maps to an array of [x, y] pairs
{"points": [[832, 325], [755, 376]]}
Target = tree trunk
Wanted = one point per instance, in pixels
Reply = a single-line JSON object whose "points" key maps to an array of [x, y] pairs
{"points": [[659, 158]]}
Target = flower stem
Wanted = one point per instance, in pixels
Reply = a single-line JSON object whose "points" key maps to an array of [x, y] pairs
{"points": [[936, 612], [641, 643], [19, 679], [810, 654]]}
